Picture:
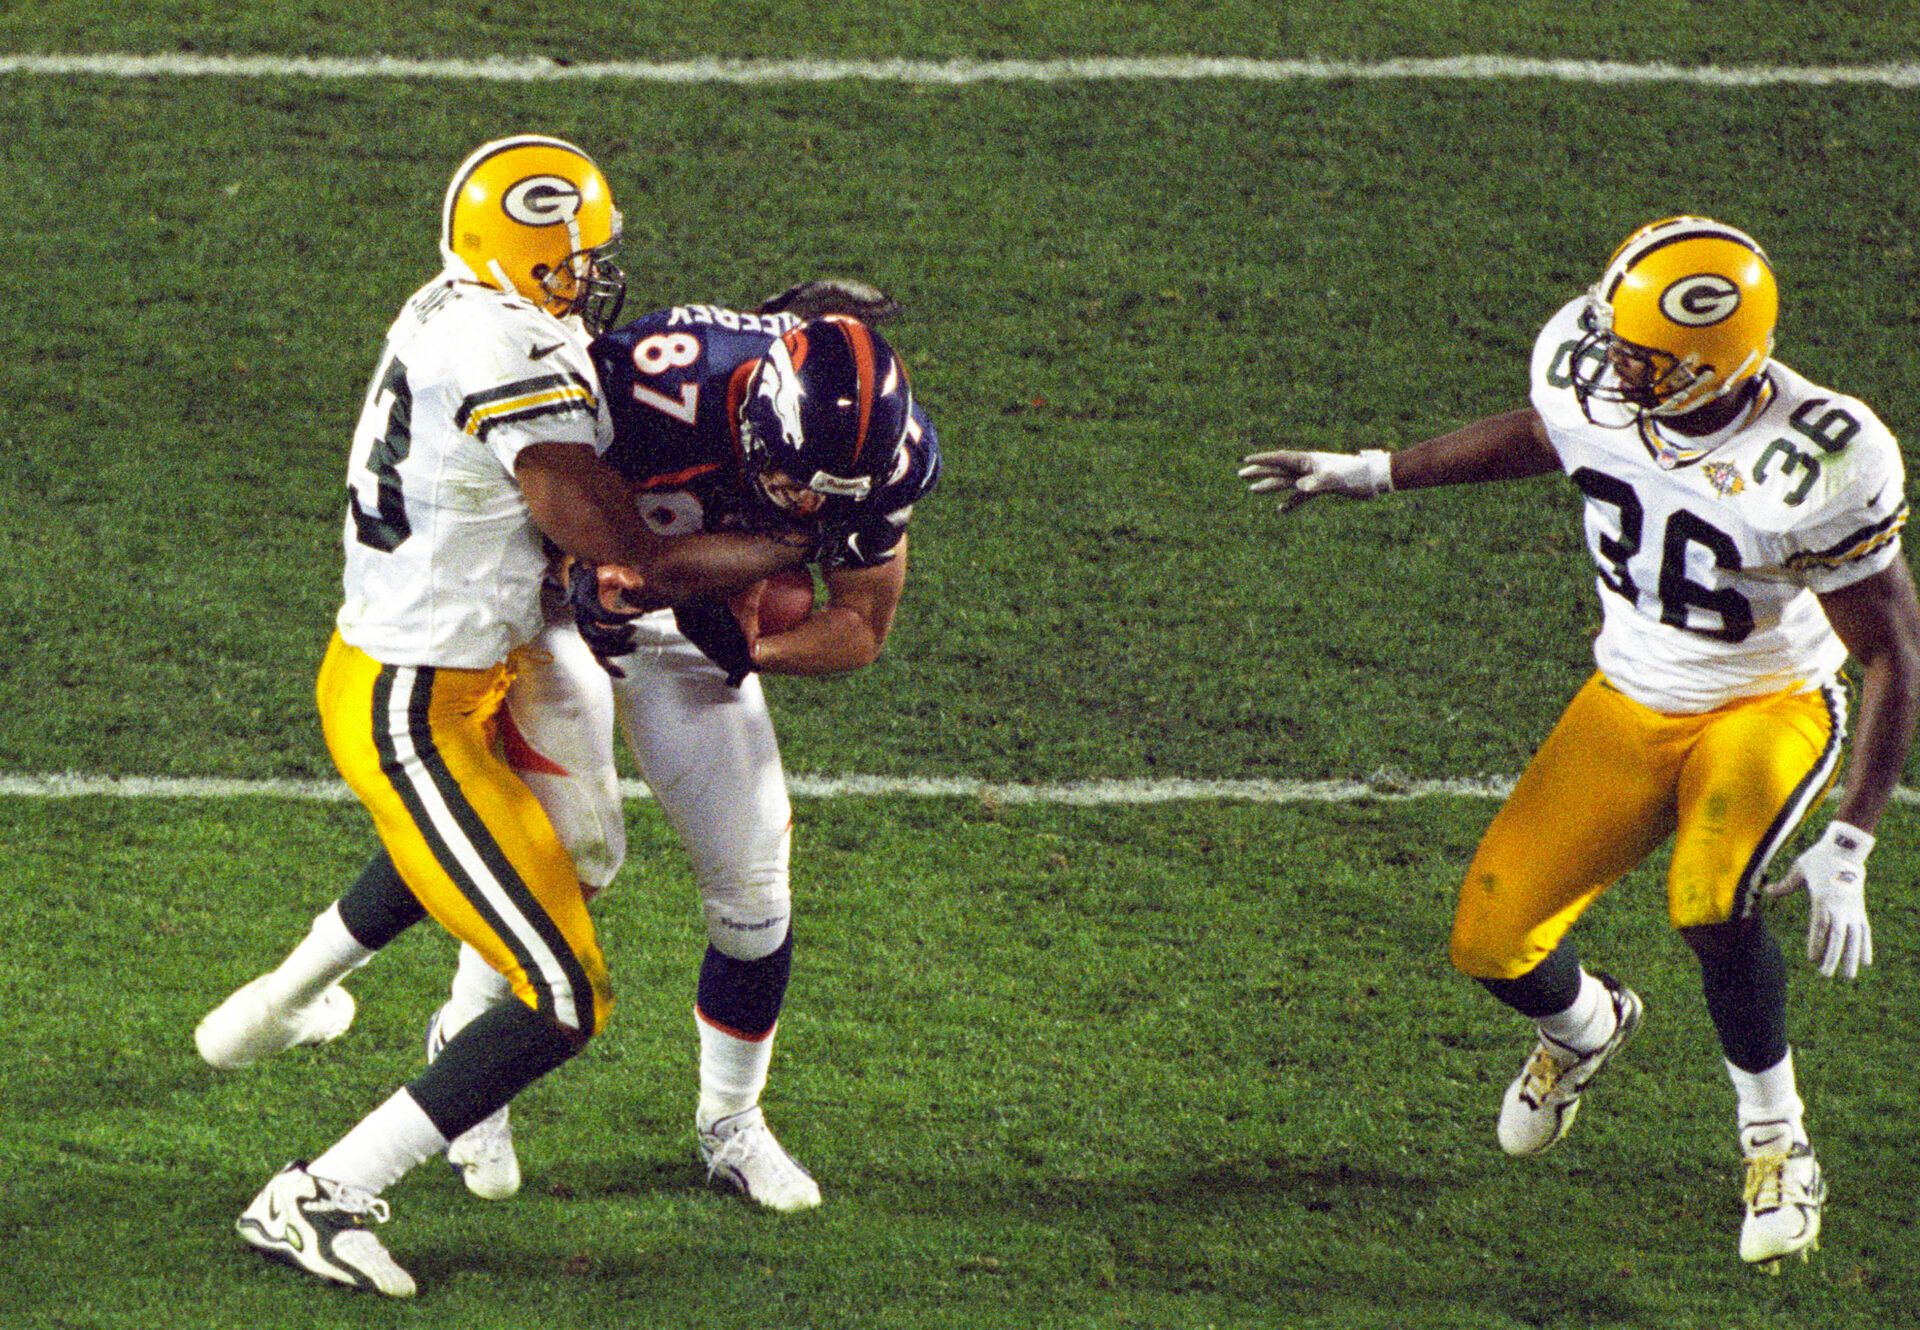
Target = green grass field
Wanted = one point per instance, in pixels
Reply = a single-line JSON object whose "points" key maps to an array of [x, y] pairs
{"points": [[1183, 1065], [1186, 1067]]}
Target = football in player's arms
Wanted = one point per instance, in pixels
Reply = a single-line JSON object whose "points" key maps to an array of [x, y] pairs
{"points": [[777, 605], [724, 421]]}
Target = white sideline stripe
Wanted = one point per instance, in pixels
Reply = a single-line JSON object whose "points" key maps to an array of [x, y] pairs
{"points": [[503, 69], [1086, 793]]}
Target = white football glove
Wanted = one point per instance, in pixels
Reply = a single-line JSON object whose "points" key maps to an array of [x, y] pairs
{"points": [[1300, 476], [1834, 872]]}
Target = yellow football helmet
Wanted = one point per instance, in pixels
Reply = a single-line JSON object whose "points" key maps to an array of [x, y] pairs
{"points": [[534, 215], [1683, 314]]}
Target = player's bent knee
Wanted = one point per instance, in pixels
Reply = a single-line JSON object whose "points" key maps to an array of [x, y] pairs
{"points": [[1479, 956], [748, 914], [1488, 940], [1701, 910], [747, 938], [578, 1000], [587, 816]]}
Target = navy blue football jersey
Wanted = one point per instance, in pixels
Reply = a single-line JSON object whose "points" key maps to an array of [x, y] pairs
{"points": [[673, 381]]}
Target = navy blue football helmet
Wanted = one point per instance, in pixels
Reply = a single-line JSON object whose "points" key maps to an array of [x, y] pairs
{"points": [[824, 416]]}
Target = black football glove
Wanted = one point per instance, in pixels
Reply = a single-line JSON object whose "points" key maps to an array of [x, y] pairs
{"points": [[709, 624], [608, 633], [833, 295], [857, 542]]}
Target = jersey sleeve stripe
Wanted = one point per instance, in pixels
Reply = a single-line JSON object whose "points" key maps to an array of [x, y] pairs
{"points": [[510, 413], [1857, 546], [506, 393]]}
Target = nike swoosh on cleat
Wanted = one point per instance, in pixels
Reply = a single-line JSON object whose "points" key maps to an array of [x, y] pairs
{"points": [[541, 352], [288, 1236]]}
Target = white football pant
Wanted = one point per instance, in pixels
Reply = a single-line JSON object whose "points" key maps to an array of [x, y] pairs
{"points": [[706, 751]]}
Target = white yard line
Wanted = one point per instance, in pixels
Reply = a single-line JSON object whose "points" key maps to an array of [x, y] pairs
{"points": [[1085, 793], [73, 785], [505, 69]]}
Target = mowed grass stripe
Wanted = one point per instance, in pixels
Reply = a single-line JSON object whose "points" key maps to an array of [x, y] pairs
{"points": [[957, 72], [1076, 793]]}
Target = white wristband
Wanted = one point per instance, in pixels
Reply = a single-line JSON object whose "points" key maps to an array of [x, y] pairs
{"points": [[1378, 472], [1849, 842]]}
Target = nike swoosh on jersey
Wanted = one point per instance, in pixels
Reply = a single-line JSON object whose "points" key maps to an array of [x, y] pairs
{"points": [[541, 352]]}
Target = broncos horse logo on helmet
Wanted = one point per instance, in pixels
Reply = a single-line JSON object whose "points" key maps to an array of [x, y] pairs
{"points": [[1683, 315], [534, 215], [824, 416]]}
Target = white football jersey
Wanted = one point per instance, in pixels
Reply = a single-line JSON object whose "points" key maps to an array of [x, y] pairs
{"points": [[443, 560], [1711, 551]]}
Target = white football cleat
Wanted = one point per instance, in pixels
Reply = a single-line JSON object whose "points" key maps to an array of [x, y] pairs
{"points": [[248, 1027], [1540, 1105], [483, 1154], [1784, 1192], [741, 1151], [321, 1226]]}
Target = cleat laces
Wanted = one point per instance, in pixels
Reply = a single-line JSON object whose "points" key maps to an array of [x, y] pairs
{"points": [[1766, 1180], [734, 1151], [1543, 1072], [356, 1205], [353, 1241]]}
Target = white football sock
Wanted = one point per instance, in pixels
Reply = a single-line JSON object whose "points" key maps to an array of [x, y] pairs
{"points": [[733, 1071], [325, 956], [477, 988], [1768, 1098], [382, 1146], [1588, 1023]]}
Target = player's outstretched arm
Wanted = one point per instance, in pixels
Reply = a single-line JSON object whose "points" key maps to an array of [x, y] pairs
{"points": [[1504, 447], [583, 506], [1879, 620]]}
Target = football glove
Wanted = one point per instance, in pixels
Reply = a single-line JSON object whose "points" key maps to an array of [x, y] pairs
{"points": [[833, 295], [1834, 872], [856, 543], [709, 624], [1300, 476], [609, 634]]}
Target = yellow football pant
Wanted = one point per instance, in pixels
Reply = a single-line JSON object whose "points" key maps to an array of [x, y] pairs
{"points": [[416, 744], [1610, 783]]}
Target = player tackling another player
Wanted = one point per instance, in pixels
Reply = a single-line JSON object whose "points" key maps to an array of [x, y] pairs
{"points": [[479, 441], [1745, 523], [722, 421]]}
